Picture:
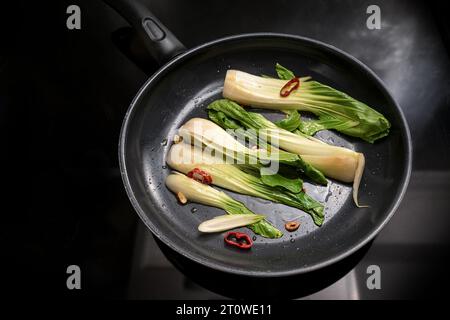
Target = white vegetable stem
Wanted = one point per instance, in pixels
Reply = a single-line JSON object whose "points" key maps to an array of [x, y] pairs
{"points": [[195, 191], [263, 92], [204, 194], [202, 131], [228, 222], [184, 158]]}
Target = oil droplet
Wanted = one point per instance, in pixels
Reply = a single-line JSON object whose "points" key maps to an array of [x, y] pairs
{"points": [[292, 240], [164, 142], [254, 238], [194, 210]]}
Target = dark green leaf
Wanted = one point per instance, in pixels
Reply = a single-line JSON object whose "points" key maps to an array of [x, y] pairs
{"points": [[263, 227], [312, 207], [336, 110], [277, 180], [256, 121], [283, 73], [222, 120], [292, 122]]}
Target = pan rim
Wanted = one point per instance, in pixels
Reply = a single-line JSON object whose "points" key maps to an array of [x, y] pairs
{"points": [[266, 274]]}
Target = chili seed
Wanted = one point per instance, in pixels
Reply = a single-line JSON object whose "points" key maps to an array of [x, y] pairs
{"points": [[181, 197], [177, 139]]}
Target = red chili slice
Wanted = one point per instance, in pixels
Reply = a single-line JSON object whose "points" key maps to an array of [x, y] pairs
{"points": [[290, 86], [239, 240], [200, 176], [292, 226]]}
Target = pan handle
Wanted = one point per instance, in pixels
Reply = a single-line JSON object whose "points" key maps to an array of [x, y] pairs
{"points": [[160, 42]]}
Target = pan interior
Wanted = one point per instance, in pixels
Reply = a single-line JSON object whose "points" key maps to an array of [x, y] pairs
{"points": [[184, 88]]}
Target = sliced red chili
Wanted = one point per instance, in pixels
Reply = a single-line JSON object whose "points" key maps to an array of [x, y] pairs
{"points": [[239, 240], [292, 226], [290, 86], [200, 176]]}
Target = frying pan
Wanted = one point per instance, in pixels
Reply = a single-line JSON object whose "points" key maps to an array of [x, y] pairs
{"points": [[182, 88]]}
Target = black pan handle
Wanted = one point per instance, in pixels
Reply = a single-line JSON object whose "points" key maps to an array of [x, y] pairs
{"points": [[160, 42]]}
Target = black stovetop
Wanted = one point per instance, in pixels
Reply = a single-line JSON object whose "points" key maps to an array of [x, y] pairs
{"points": [[75, 87]]}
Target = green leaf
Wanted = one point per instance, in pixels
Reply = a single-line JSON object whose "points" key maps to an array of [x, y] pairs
{"points": [[222, 120], [256, 121], [324, 122], [314, 208], [263, 227], [311, 172], [271, 179], [292, 122], [277, 180], [236, 113], [283, 73], [336, 110]]}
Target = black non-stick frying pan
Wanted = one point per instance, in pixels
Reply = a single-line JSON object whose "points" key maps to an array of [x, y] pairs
{"points": [[183, 87]]}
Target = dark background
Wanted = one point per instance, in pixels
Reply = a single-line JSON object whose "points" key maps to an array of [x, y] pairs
{"points": [[63, 94]]}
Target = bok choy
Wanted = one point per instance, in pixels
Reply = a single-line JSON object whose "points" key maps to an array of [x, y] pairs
{"points": [[335, 109], [185, 158], [335, 162], [227, 222], [204, 194], [202, 132]]}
